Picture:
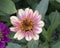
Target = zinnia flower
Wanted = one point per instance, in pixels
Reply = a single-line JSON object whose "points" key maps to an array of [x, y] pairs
{"points": [[4, 31], [27, 24]]}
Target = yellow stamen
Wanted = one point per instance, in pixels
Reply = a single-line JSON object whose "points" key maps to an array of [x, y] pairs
{"points": [[26, 25]]}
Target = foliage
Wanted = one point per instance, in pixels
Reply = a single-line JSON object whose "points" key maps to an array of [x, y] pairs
{"points": [[50, 11]]}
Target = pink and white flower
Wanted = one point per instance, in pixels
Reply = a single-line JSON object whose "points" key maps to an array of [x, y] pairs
{"points": [[27, 24]]}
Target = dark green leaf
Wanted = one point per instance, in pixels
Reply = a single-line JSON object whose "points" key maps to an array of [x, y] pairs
{"points": [[11, 35], [13, 45], [5, 19], [55, 21], [7, 7], [33, 44], [43, 46], [33, 3], [16, 1]]}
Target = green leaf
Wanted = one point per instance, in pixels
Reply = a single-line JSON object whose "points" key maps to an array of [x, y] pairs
{"points": [[32, 44], [44, 33], [6, 19], [57, 45], [13, 45], [54, 5], [33, 3], [58, 28], [11, 35], [55, 21], [7, 7], [42, 7], [58, 1], [16, 1], [44, 45]]}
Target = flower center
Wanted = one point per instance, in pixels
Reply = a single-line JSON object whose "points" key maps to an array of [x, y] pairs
{"points": [[26, 25]]}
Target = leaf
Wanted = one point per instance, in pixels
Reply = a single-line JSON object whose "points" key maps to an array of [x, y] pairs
{"points": [[33, 3], [43, 46], [55, 21], [57, 45], [11, 35], [5, 19], [7, 7], [54, 5], [44, 33], [58, 28], [13, 45], [42, 7], [32, 44], [16, 1], [58, 1]]}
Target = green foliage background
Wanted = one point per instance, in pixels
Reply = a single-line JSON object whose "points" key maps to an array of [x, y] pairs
{"points": [[50, 10]]}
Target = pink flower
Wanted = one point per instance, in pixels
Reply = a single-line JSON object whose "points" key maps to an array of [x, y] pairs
{"points": [[27, 24]]}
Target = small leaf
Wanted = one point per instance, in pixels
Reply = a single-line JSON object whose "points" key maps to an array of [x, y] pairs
{"points": [[13, 45], [7, 7], [42, 7], [33, 44]]}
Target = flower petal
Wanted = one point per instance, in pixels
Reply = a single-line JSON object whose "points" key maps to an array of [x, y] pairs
{"points": [[28, 36], [6, 31], [6, 39], [29, 13], [36, 37], [16, 35], [2, 26], [36, 14], [38, 31], [36, 19], [14, 20], [19, 35], [26, 11], [21, 14], [14, 29], [2, 44], [40, 24]]}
